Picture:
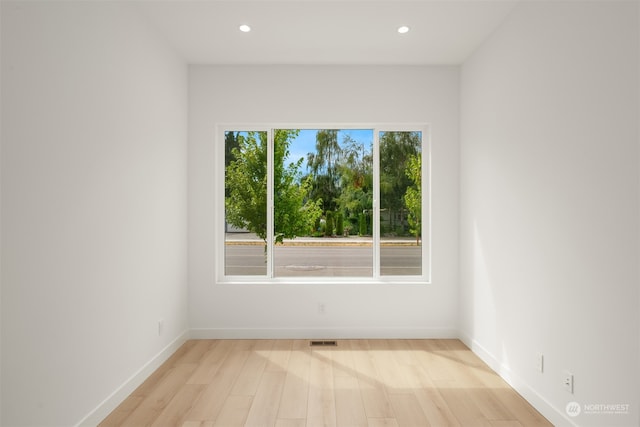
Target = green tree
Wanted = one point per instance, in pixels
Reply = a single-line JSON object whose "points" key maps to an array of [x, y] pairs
{"points": [[329, 224], [363, 224], [246, 186], [413, 196], [231, 141], [295, 212], [356, 178], [395, 150], [323, 164], [339, 224]]}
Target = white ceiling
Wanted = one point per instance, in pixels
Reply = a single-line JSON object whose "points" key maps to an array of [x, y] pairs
{"points": [[325, 32]]}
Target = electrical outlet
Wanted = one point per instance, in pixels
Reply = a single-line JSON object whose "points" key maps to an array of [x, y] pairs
{"points": [[567, 381], [160, 327], [321, 308], [540, 362]]}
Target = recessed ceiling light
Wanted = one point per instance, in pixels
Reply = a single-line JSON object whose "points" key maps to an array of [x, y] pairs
{"points": [[403, 30], [244, 28]]}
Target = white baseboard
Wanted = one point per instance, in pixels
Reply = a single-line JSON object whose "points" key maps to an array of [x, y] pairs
{"points": [[555, 416], [121, 393], [322, 333]]}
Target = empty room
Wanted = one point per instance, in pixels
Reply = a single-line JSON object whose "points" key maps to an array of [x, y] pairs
{"points": [[301, 213]]}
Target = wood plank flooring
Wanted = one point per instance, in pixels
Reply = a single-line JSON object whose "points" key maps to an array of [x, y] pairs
{"points": [[287, 383]]}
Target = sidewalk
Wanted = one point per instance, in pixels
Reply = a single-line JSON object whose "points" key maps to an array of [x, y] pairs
{"points": [[243, 238]]}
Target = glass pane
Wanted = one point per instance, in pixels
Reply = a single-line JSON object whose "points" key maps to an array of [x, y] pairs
{"points": [[400, 203], [245, 203], [323, 194]]}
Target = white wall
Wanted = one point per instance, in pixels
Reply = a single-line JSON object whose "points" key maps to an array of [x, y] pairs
{"points": [[290, 94], [549, 204], [94, 187]]}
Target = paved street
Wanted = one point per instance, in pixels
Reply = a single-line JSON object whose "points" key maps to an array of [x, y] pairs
{"points": [[323, 261]]}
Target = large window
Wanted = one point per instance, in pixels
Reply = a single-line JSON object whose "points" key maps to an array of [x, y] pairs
{"points": [[325, 202]]}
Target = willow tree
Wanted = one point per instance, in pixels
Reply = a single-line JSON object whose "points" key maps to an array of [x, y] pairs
{"points": [[356, 179], [323, 165]]}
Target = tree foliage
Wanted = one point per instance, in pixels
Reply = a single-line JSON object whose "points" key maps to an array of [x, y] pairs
{"points": [[396, 148], [342, 173], [231, 142], [356, 178], [246, 184], [246, 188], [295, 212], [413, 196], [323, 164], [339, 183]]}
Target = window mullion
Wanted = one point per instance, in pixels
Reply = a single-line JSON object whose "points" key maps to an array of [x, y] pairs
{"points": [[270, 202], [375, 220], [426, 204]]}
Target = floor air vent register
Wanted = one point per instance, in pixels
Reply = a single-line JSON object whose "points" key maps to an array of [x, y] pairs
{"points": [[328, 343]]}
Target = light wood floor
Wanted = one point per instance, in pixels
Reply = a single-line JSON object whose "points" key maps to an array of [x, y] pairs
{"points": [[286, 383]]}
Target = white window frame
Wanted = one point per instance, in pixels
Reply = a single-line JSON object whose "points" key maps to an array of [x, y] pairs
{"points": [[219, 215]]}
